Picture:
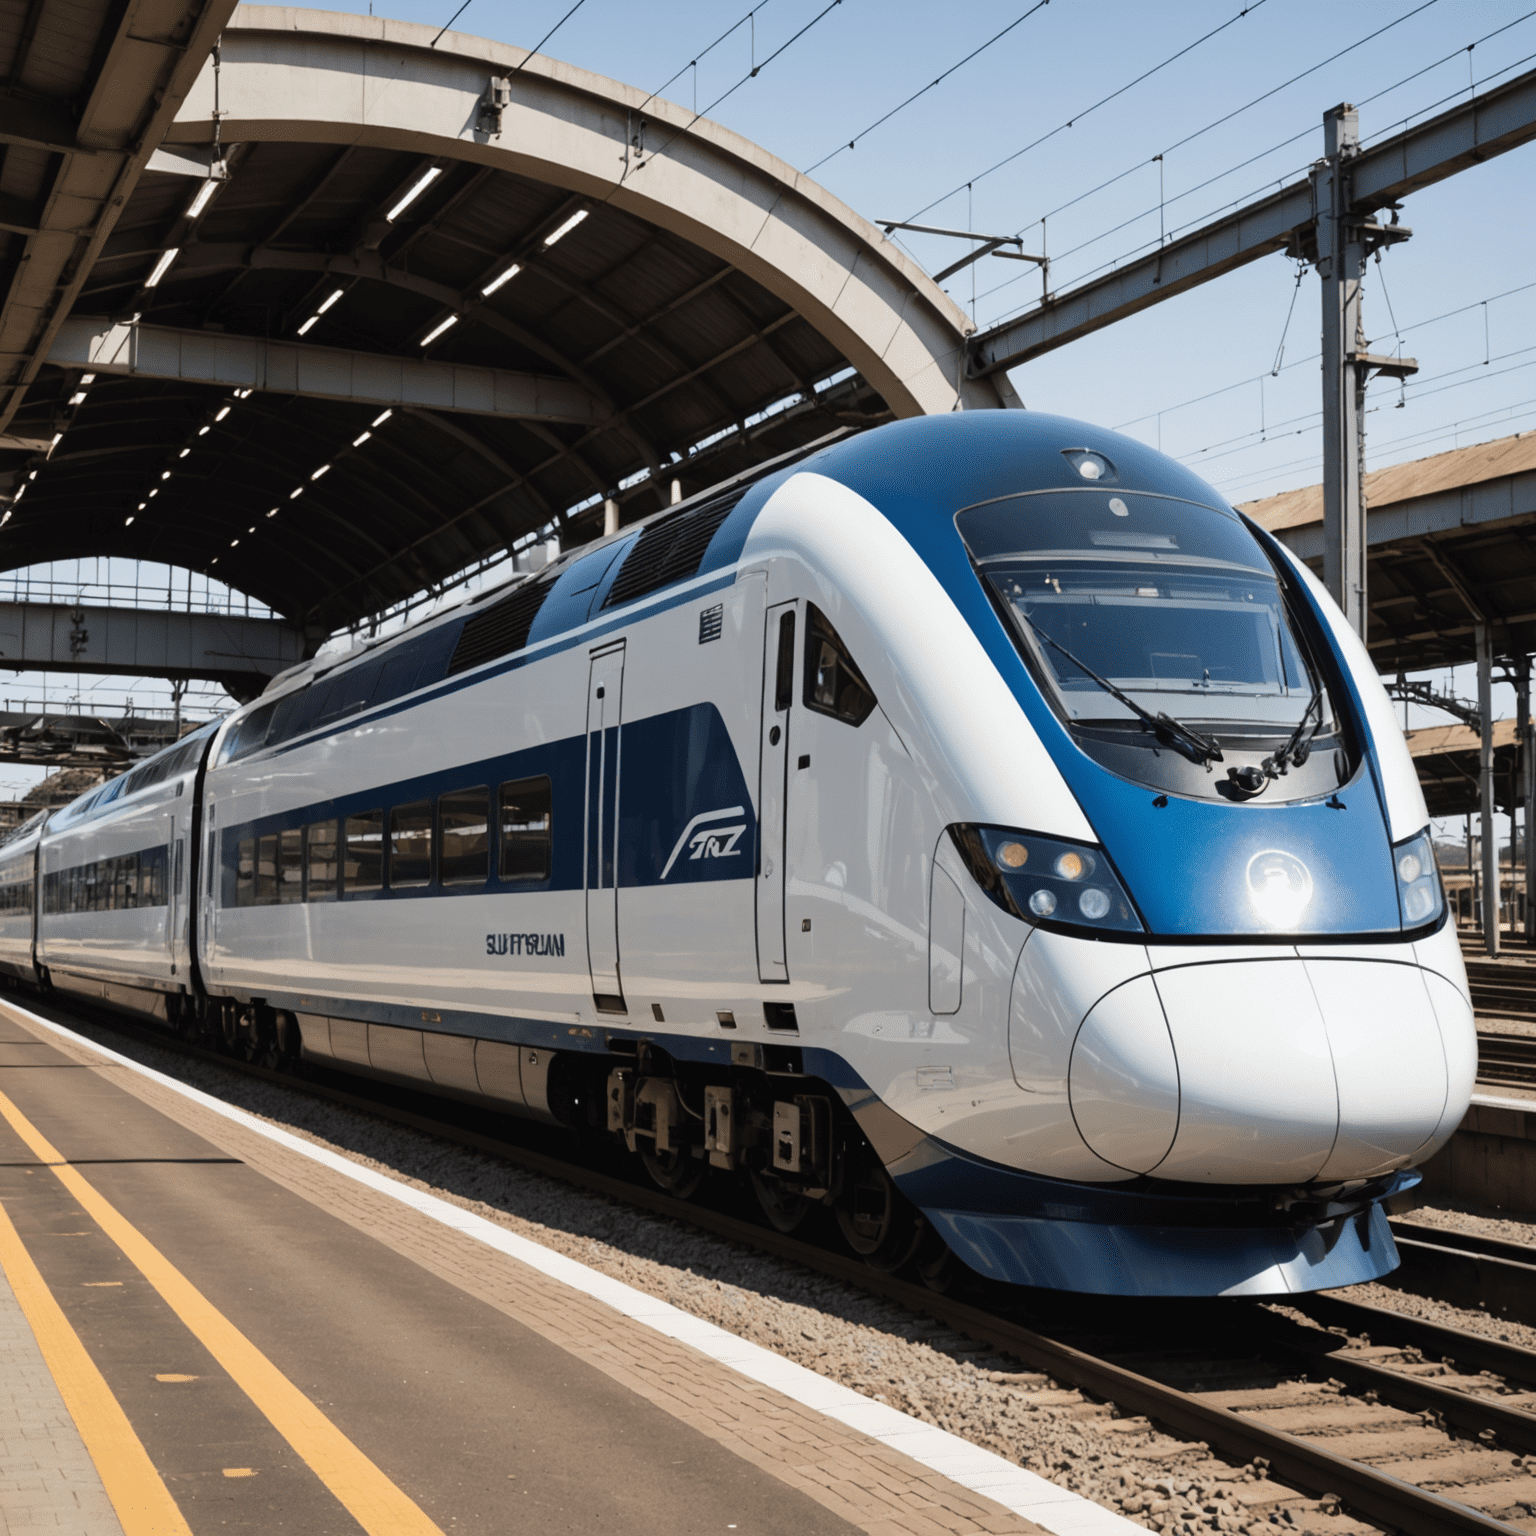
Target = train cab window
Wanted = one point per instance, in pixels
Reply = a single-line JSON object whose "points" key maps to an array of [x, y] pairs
{"points": [[364, 868], [833, 684], [245, 873], [290, 865], [266, 870], [320, 861], [464, 836], [410, 844], [525, 829]]}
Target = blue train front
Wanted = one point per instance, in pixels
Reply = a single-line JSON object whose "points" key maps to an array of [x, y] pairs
{"points": [[975, 827]]}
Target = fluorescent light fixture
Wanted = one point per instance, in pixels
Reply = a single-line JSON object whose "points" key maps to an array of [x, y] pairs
{"points": [[162, 267], [360, 439], [234, 543], [410, 197], [323, 468], [273, 512], [335, 294], [214, 561], [313, 319], [204, 193], [567, 227], [127, 522], [58, 437], [379, 420], [31, 474], [87, 378], [222, 413], [153, 494], [165, 474], [20, 492], [141, 506], [204, 431], [437, 330], [251, 529], [240, 394], [294, 495], [501, 277], [78, 398], [184, 452], [4, 520]]}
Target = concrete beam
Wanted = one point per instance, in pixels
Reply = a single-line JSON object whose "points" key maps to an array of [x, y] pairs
{"points": [[1477, 130], [327, 373], [132, 642], [290, 75], [1509, 499]]}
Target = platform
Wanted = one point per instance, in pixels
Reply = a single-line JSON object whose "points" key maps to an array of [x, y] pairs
{"points": [[209, 1322]]}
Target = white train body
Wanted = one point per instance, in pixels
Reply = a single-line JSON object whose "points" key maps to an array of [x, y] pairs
{"points": [[730, 835]]}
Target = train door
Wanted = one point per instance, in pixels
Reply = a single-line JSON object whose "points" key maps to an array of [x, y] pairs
{"points": [[605, 688], [772, 788], [176, 894]]}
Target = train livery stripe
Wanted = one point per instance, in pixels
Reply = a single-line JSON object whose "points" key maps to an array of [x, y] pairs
{"points": [[358, 1484], [143, 1504]]}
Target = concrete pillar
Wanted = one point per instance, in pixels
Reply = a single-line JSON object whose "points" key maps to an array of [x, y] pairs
{"points": [[1485, 789], [1526, 737]]}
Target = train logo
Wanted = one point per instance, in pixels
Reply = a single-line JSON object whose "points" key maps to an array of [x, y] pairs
{"points": [[709, 842], [1279, 885]]}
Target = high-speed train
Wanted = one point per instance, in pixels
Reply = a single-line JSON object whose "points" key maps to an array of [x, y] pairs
{"points": [[974, 826]]}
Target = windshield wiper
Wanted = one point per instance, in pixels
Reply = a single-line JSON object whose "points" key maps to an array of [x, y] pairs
{"points": [[1201, 748], [1298, 748]]}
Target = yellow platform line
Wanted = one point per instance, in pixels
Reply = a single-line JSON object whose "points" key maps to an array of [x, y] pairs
{"points": [[362, 1488], [144, 1505]]}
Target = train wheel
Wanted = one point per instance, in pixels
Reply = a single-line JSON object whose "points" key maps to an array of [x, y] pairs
{"points": [[935, 1262], [784, 1207], [676, 1171], [880, 1226]]}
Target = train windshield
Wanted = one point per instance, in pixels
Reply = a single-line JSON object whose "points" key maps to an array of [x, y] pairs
{"points": [[1123, 600]]}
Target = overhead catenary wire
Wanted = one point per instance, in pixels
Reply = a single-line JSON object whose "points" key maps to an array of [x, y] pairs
{"points": [[938, 80], [735, 27], [1086, 111], [1304, 133], [751, 74], [1236, 112]]}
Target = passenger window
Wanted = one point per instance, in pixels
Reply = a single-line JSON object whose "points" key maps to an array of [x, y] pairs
{"points": [[245, 873], [833, 684], [320, 861], [464, 836], [177, 877], [410, 844], [525, 829], [364, 870], [290, 865], [266, 870]]}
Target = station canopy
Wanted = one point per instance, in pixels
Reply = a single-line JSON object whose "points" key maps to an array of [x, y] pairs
{"points": [[559, 290]]}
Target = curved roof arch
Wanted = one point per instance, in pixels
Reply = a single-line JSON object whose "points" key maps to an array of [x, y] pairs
{"points": [[405, 327]]}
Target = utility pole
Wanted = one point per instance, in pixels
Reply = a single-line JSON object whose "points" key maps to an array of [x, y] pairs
{"points": [[1344, 240], [1484, 634]]}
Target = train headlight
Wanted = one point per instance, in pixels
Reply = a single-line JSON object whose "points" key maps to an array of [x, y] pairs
{"points": [[1419, 894], [1045, 880]]}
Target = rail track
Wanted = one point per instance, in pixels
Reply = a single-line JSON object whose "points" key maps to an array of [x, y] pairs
{"points": [[1367, 1414]]}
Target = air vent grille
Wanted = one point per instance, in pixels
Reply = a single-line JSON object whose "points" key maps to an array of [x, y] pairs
{"points": [[670, 550], [501, 629]]}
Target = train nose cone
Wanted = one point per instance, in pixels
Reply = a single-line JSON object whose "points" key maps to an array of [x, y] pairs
{"points": [[1124, 1081], [1257, 1101], [1388, 1061]]}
